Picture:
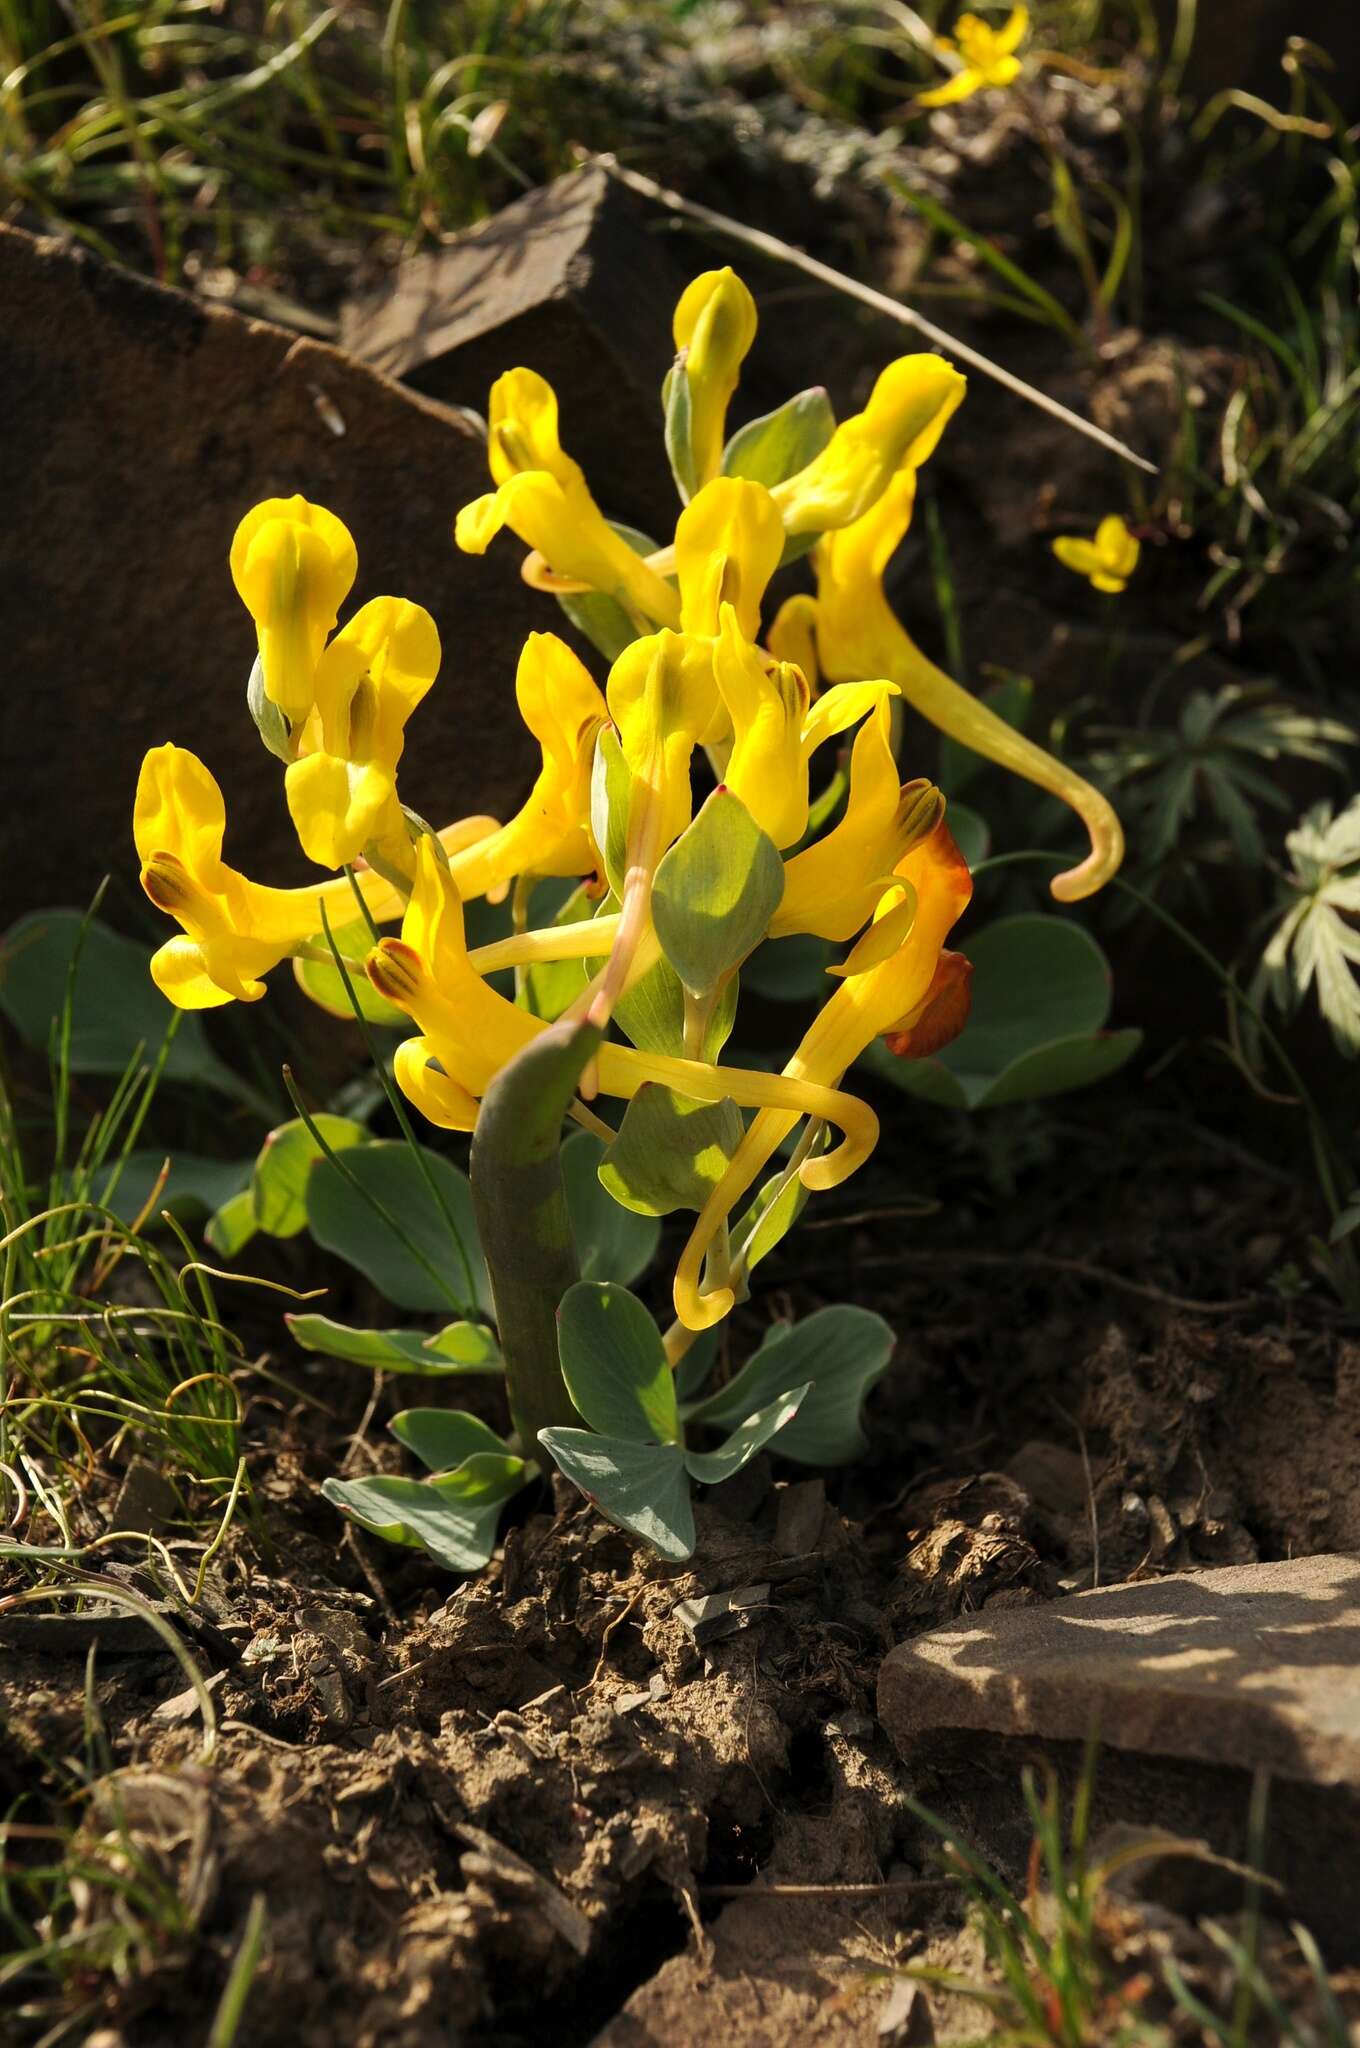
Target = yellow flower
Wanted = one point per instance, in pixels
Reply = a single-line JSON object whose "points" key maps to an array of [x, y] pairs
{"points": [[776, 728], [728, 542], [235, 930], [832, 887], [562, 706], [987, 53], [886, 987], [663, 700], [471, 1032], [857, 633], [1108, 559], [909, 408], [342, 792], [543, 497], [293, 565], [715, 325]]}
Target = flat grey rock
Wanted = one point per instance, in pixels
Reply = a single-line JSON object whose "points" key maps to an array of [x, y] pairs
{"points": [[1252, 1666]]}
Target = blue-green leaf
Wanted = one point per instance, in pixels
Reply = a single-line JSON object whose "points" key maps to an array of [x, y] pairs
{"points": [[444, 1438], [452, 1518], [115, 1005], [1040, 996], [841, 1351], [775, 447], [321, 980], [417, 1264], [194, 1184], [711, 1467], [671, 1151], [284, 1167], [644, 1488], [715, 892], [614, 1364], [611, 1242], [459, 1348]]}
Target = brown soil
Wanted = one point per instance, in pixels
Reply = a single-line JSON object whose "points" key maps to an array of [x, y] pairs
{"points": [[468, 1807]]}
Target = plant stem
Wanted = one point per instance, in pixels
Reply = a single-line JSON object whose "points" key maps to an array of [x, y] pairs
{"points": [[521, 1210]]}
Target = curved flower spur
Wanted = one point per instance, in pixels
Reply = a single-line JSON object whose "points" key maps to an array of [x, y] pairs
{"points": [[679, 798]]}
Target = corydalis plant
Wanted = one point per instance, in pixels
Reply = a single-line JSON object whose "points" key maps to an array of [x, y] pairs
{"points": [[676, 888]]}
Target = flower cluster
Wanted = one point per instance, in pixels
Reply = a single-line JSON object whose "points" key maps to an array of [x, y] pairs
{"points": [[675, 887]]}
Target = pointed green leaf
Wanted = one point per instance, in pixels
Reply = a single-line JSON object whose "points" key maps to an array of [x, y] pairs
{"points": [[652, 1013], [710, 1468], [841, 1351], [611, 1242], [775, 447], [770, 1218], [284, 1167], [614, 1364], [671, 1151], [675, 405], [444, 1438], [611, 793], [229, 1229], [459, 1348], [115, 1005], [452, 1518], [715, 892], [321, 979], [644, 1488], [342, 1221]]}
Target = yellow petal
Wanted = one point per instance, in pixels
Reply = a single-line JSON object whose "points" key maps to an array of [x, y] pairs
{"points": [[908, 410], [1013, 32], [728, 543], [793, 636], [179, 973], [715, 324], [841, 707], [338, 807], [179, 809], [767, 766], [1077, 554], [961, 86], [293, 564], [575, 539], [439, 1098], [523, 433]]}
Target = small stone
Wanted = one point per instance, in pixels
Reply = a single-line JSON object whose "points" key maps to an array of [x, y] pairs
{"points": [[147, 1503], [801, 1513], [1252, 1666], [720, 1614]]}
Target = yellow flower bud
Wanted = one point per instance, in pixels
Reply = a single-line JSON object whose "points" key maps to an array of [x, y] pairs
{"points": [[293, 565], [908, 410], [715, 325]]}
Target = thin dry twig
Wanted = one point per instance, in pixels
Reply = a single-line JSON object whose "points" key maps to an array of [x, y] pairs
{"points": [[1049, 1262], [784, 252]]}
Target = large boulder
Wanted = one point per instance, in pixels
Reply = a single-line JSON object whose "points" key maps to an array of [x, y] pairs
{"points": [[577, 280], [138, 425]]}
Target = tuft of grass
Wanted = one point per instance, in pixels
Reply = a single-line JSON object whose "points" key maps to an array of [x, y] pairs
{"points": [[1055, 1979]]}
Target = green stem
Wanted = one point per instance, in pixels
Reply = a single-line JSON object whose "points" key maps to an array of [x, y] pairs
{"points": [[521, 1210]]}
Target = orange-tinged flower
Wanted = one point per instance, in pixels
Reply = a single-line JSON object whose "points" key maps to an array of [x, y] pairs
{"points": [[885, 987]]}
